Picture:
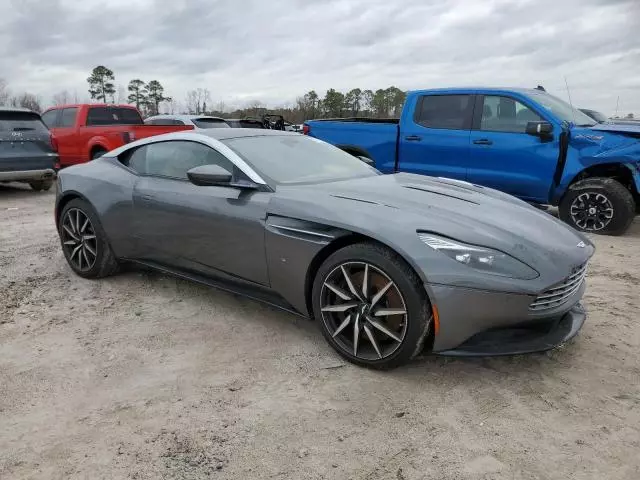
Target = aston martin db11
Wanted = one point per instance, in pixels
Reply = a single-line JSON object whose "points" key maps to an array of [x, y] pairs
{"points": [[389, 265]]}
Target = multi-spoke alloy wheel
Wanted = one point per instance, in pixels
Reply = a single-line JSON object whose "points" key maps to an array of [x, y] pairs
{"points": [[372, 307], [79, 239], [84, 241], [591, 211], [599, 205], [364, 310]]}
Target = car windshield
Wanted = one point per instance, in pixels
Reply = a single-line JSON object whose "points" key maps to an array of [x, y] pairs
{"points": [[562, 109], [298, 159], [597, 116]]}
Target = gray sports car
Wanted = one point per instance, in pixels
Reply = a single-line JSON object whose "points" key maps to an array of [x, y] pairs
{"points": [[389, 265]]}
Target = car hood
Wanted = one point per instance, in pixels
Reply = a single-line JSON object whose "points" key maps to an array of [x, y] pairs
{"points": [[401, 204], [622, 128]]}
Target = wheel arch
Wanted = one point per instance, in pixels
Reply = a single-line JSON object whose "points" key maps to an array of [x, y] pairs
{"points": [[95, 147], [615, 170], [349, 238], [64, 200], [355, 151]]}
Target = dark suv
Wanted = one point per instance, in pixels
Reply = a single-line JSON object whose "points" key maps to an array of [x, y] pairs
{"points": [[27, 149]]}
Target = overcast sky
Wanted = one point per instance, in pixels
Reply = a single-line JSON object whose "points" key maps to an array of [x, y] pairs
{"points": [[274, 51]]}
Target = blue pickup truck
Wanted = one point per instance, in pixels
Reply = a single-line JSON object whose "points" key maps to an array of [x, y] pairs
{"points": [[524, 142]]}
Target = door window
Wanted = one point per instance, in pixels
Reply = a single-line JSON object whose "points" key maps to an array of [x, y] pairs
{"points": [[68, 117], [452, 112], [505, 114], [174, 159]]}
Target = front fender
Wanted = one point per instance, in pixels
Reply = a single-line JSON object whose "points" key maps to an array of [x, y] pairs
{"points": [[586, 152]]}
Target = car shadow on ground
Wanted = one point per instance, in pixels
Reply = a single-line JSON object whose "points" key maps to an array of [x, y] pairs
{"points": [[426, 367]]}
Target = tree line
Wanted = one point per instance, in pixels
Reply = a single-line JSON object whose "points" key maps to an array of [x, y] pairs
{"points": [[149, 97]]}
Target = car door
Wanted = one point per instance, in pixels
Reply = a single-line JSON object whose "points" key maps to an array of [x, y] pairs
{"points": [[435, 141], [506, 158], [197, 228]]}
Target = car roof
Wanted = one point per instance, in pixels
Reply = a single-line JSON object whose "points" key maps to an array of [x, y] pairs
{"points": [[227, 133], [77, 105], [181, 116], [17, 109], [479, 88]]}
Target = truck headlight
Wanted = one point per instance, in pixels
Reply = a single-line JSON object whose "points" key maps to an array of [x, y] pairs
{"points": [[483, 259]]}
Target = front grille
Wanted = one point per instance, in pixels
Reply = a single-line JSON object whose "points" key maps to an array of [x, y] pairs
{"points": [[560, 293]]}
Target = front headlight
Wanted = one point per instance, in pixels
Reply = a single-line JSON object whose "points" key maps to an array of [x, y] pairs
{"points": [[480, 258]]}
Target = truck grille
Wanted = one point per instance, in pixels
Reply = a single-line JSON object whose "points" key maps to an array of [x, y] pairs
{"points": [[557, 295]]}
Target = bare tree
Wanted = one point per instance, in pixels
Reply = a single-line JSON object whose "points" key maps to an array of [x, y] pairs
{"points": [[4, 92], [61, 98], [197, 100], [221, 107], [27, 100]]}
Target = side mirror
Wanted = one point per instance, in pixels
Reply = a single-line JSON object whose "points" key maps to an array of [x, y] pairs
{"points": [[210, 175], [367, 160], [539, 129]]}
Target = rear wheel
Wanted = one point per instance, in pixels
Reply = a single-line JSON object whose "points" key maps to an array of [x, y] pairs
{"points": [[371, 306], [40, 185], [84, 242], [97, 153], [598, 205]]}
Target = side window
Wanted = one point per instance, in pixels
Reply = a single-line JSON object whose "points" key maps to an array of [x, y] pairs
{"points": [[50, 118], [451, 112], [175, 159], [505, 114], [68, 117]]}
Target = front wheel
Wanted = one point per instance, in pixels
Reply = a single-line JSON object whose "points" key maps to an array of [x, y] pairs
{"points": [[598, 205], [371, 306]]}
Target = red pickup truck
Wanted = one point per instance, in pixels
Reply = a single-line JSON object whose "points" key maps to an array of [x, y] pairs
{"points": [[86, 131]]}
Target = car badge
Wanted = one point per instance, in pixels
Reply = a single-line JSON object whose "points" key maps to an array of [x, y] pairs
{"points": [[581, 245]]}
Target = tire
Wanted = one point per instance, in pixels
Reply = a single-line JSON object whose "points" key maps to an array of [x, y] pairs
{"points": [[598, 205], [104, 261], [40, 185], [407, 294], [97, 154]]}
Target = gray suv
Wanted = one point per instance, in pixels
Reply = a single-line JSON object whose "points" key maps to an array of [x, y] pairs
{"points": [[27, 149]]}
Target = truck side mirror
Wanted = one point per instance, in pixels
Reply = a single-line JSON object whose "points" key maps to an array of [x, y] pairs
{"points": [[539, 129]]}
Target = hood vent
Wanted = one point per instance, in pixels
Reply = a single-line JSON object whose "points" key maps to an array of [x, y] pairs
{"points": [[436, 192]]}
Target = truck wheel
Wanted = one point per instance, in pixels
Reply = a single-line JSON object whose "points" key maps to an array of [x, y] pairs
{"points": [[98, 154], [598, 205], [40, 185]]}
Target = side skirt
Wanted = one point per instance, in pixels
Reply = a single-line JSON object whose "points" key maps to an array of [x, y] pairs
{"points": [[239, 287]]}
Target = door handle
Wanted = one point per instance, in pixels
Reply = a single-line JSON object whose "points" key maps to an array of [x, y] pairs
{"points": [[483, 141], [413, 138]]}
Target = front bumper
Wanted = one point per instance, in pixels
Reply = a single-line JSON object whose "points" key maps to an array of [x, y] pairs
{"points": [[482, 323], [27, 175]]}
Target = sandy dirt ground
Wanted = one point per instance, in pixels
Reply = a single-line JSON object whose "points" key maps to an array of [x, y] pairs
{"points": [[143, 376]]}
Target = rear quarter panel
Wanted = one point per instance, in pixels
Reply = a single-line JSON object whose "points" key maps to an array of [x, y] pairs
{"points": [[378, 140], [108, 187]]}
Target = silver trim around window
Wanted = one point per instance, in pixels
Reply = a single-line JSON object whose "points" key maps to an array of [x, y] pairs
{"points": [[191, 136]]}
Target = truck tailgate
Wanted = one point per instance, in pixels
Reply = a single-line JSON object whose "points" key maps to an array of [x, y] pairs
{"points": [[144, 131]]}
